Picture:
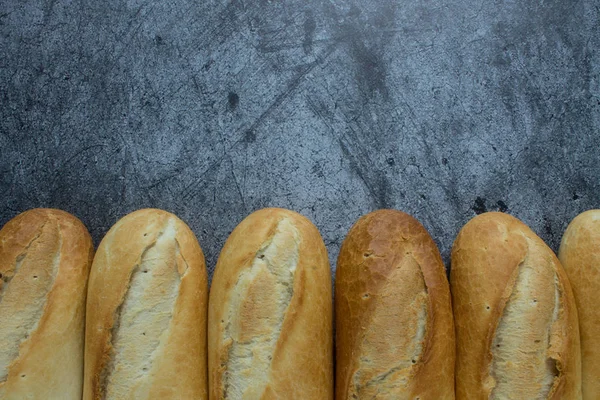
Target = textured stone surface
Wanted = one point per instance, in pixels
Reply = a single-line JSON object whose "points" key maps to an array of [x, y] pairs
{"points": [[213, 109]]}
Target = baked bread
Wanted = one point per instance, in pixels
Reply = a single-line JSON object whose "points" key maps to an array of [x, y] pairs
{"points": [[394, 329], [517, 334], [270, 312], [45, 258], [146, 312], [580, 255]]}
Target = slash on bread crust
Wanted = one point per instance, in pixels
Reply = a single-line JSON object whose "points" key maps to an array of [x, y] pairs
{"points": [[580, 255], [393, 314], [45, 258], [270, 312], [146, 321], [515, 317]]}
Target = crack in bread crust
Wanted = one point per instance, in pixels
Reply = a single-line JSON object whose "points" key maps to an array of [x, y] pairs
{"points": [[10, 274], [143, 317], [386, 364], [257, 310], [29, 286], [524, 334]]}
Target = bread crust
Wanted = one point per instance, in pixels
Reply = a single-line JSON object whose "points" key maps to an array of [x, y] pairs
{"points": [[387, 263], [580, 255], [45, 253], [271, 286], [176, 363], [488, 255]]}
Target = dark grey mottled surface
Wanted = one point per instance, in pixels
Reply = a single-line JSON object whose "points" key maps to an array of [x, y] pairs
{"points": [[212, 109]]}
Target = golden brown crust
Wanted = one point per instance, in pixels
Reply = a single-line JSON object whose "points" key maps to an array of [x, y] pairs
{"points": [[487, 257], [580, 255], [52, 251], [176, 367], [388, 260], [298, 337]]}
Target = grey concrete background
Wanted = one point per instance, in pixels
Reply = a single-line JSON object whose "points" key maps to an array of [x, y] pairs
{"points": [[213, 109]]}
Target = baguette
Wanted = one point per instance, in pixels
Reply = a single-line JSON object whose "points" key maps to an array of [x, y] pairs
{"points": [[270, 312], [580, 255], [394, 329], [516, 323], [45, 258], [146, 312]]}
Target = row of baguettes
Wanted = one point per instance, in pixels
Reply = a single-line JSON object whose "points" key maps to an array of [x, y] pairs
{"points": [[510, 331]]}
